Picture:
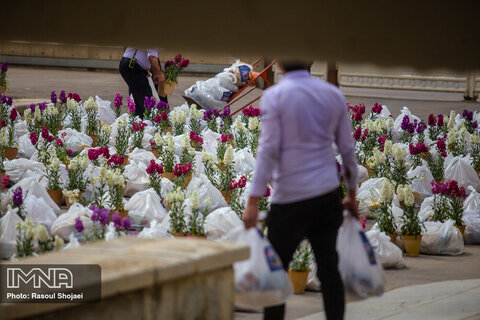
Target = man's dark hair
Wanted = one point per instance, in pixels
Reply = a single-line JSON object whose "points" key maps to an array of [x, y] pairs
{"points": [[292, 65]]}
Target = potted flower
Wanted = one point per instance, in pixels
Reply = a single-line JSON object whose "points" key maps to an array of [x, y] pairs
{"points": [[116, 186], [196, 141], [448, 202], [228, 174], [299, 267], [71, 196], [121, 140], [241, 135], [162, 122], [3, 77], [8, 143], [182, 174], [384, 218], [53, 120], [168, 156], [104, 137], [436, 164], [53, 176], [475, 143], [412, 227], [456, 141], [100, 218], [470, 124], [17, 202], [72, 107], [224, 141], [25, 237], [176, 202], [149, 104], [172, 70], [154, 171], [210, 167], [196, 222], [226, 120], [91, 107], [254, 127], [235, 193], [76, 174], [131, 110]]}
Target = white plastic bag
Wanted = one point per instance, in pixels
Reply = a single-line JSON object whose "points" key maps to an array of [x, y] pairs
{"points": [[368, 193], [244, 162], [76, 141], [137, 178], [261, 280], [205, 189], [362, 174], [441, 238], [30, 186], [65, 224], [39, 211], [145, 206], [214, 89], [471, 218], [422, 183], [426, 209], [19, 169], [203, 98], [460, 169], [388, 253], [397, 124], [227, 80], [156, 230], [72, 242], [313, 283], [8, 233], [220, 222], [242, 71], [358, 264], [105, 112], [25, 147], [472, 202]]}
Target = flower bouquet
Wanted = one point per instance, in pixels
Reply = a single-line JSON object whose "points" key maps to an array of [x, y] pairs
{"points": [[249, 112], [100, 218], [228, 174], [456, 141], [5, 104], [8, 143], [172, 70], [356, 114], [436, 164], [210, 168]]}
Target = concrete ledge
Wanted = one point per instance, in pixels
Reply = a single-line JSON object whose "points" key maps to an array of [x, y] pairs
{"points": [[149, 279], [96, 64]]}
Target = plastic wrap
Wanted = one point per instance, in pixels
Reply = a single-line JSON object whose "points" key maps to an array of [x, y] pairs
{"points": [[8, 233], [472, 202], [39, 211], [210, 142], [244, 162], [65, 224], [261, 280], [105, 112], [242, 71], [154, 231], [389, 254], [422, 184], [76, 141], [30, 186], [227, 80], [72, 242], [359, 265], [368, 194], [220, 222], [471, 217], [441, 238], [426, 209], [205, 189], [19, 169], [362, 174], [460, 169], [397, 124], [25, 147], [137, 178], [144, 207]]}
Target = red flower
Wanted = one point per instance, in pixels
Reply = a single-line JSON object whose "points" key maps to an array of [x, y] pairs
{"points": [[267, 193], [358, 133], [136, 127], [5, 181], [242, 182], [13, 114], [432, 120], [59, 142], [178, 58], [69, 152], [33, 138], [232, 185], [184, 63]]}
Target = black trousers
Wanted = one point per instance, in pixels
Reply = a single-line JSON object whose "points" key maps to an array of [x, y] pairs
{"points": [[318, 220], [136, 79]]}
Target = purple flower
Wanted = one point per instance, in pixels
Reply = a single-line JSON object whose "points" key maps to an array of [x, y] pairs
{"points": [[421, 127], [117, 220], [79, 225], [475, 125], [42, 106], [467, 115], [117, 102], [9, 101], [225, 112], [130, 105], [126, 223], [18, 196], [53, 97], [163, 106], [405, 122], [3, 98], [4, 66], [62, 97]]}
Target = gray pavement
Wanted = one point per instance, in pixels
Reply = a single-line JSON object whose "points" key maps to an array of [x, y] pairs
{"points": [[424, 276]]}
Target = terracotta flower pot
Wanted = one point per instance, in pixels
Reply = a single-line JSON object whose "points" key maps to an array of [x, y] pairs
{"points": [[123, 213], [412, 245], [178, 234], [393, 237], [227, 196], [56, 195], [298, 280], [461, 229], [168, 175], [169, 87], [10, 153], [94, 138]]}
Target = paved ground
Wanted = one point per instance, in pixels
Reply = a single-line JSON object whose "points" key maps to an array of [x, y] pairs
{"points": [[27, 85]]}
